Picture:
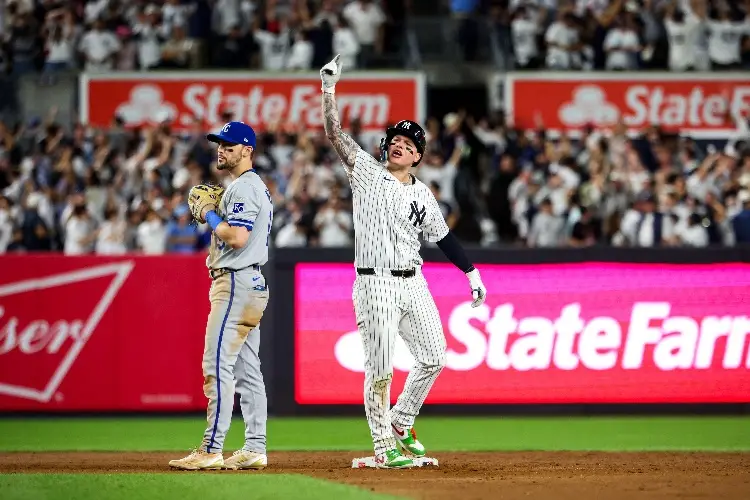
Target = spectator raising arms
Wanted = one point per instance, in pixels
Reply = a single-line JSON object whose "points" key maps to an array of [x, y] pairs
{"points": [[79, 189]]}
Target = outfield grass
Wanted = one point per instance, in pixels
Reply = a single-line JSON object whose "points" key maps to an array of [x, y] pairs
{"points": [[439, 433], [352, 434], [175, 486]]}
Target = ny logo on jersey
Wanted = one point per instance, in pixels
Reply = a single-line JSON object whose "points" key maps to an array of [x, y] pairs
{"points": [[238, 208], [417, 213]]}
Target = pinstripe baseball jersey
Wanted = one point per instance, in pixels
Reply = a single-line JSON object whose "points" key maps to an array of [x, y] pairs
{"points": [[390, 216], [246, 203]]}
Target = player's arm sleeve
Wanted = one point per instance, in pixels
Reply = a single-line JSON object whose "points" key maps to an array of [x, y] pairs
{"points": [[242, 209], [453, 250], [366, 167]]}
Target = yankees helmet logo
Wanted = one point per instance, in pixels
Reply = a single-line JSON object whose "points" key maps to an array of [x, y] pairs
{"points": [[417, 213]]}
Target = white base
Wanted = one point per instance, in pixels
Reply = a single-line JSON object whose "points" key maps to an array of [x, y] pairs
{"points": [[365, 462]]}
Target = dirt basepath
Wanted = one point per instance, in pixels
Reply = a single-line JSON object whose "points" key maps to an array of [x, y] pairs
{"points": [[558, 476]]}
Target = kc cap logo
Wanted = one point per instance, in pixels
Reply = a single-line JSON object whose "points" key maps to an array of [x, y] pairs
{"points": [[234, 133]]}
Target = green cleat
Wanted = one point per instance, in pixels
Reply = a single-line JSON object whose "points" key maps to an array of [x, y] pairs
{"points": [[393, 459], [407, 440]]}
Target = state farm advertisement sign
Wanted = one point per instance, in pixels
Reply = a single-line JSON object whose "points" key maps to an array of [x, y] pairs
{"points": [[694, 104], [557, 333], [95, 333], [255, 98]]}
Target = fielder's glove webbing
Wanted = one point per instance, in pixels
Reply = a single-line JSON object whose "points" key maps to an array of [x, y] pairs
{"points": [[204, 195]]}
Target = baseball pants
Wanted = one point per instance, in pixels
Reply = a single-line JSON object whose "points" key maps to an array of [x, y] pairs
{"points": [[387, 306], [231, 361]]}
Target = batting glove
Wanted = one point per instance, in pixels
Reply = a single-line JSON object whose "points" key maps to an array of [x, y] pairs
{"points": [[330, 74], [478, 291]]}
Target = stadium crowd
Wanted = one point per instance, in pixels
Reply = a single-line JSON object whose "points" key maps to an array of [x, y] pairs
{"points": [[289, 35], [112, 35], [627, 35], [81, 190], [119, 190]]}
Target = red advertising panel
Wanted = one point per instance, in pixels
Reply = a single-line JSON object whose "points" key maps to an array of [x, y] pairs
{"points": [[554, 333], [696, 104], [255, 98], [92, 333]]}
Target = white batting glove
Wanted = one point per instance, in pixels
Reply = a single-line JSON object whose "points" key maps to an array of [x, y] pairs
{"points": [[330, 74], [478, 291]]}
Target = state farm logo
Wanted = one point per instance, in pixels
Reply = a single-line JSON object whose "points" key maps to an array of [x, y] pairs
{"points": [[653, 338], [146, 105], [36, 353], [589, 105], [257, 104], [691, 106]]}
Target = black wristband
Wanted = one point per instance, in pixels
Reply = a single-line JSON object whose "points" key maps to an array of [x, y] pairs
{"points": [[455, 253]]}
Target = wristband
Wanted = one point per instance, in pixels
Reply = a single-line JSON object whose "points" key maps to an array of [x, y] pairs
{"points": [[329, 90], [213, 219]]}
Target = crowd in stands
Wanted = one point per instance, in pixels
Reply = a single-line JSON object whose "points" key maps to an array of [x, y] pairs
{"points": [[118, 190], [291, 35], [83, 190], [616, 35], [110, 35]]}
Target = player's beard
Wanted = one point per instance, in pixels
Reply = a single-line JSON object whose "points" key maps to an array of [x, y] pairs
{"points": [[229, 163]]}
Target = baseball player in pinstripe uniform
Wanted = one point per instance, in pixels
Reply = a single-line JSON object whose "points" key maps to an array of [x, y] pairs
{"points": [[391, 209], [241, 220]]}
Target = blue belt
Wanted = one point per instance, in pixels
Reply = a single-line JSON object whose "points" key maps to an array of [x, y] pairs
{"points": [[215, 273]]}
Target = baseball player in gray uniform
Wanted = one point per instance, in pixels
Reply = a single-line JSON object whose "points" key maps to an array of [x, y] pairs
{"points": [[391, 209], [241, 226]]}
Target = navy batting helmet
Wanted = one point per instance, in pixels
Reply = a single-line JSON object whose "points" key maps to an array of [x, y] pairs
{"points": [[409, 129]]}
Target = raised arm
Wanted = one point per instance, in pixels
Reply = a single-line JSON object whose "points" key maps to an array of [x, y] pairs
{"points": [[344, 145]]}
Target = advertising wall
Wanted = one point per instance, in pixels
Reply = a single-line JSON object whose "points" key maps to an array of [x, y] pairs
{"points": [[701, 105], [258, 99], [592, 327], [94, 333], [550, 333]]}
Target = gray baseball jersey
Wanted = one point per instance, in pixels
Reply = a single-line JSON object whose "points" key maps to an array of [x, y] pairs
{"points": [[231, 360], [390, 216], [246, 203]]}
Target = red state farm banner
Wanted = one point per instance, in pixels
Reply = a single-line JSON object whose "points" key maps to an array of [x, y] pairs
{"points": [[99, 333], [697, 104], [548, 333], [255, 98]]}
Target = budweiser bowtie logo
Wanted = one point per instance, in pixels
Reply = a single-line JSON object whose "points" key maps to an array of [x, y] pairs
{"points": [[46, 322]]}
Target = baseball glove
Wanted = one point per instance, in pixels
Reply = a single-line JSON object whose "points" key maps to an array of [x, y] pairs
{"points": [[204, 195]]}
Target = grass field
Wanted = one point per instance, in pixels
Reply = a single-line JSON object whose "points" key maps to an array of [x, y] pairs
{"points": [[178, 435]]}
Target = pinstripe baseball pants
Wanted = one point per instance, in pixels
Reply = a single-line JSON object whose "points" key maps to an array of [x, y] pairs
{"points": [[387, 306]]}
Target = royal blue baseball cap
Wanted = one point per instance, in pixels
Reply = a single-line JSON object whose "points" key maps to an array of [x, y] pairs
{"points": [[235, 133]]}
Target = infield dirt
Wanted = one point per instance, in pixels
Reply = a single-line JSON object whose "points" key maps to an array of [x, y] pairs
{"points": [[546, 475]]}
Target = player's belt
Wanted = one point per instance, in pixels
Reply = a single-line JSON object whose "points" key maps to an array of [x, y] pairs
{"points": [[399, 273], [216, 273]]}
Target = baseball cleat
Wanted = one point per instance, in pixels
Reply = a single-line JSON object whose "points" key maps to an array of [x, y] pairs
{"points": [[242, 459], [199, 460], [393, 459], [407, 440]]}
